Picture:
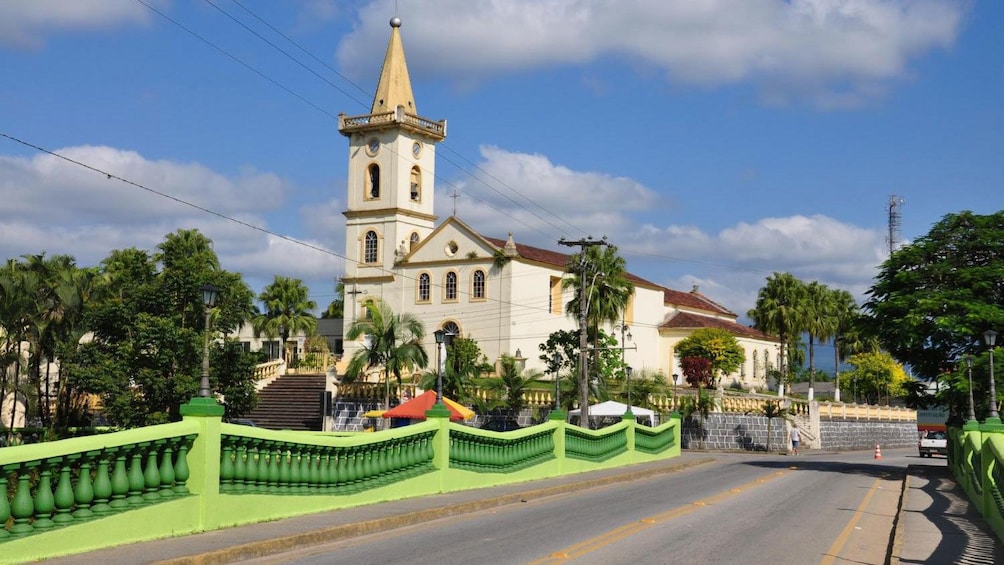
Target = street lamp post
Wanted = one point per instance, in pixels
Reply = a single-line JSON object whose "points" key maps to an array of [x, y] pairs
{"points": [[209, 294], [440, 336], [972, 410], [990, 337], [676, 378], [627, 374], [556, 362]]}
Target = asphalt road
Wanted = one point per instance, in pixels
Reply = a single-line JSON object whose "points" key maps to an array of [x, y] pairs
{"points": [[820, 508]]}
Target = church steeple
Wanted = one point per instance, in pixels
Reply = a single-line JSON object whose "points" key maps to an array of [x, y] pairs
{"points": [[394, 88], [394, 102]]}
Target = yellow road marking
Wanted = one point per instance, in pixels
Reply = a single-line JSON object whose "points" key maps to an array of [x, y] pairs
{"points": [[607, 538], [838, 544]]}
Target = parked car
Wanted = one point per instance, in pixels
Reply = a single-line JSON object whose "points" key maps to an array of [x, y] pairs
{"points": [[932, 443]]}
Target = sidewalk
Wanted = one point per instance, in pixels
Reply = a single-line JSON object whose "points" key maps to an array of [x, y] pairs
{"points": [[935, 522]]}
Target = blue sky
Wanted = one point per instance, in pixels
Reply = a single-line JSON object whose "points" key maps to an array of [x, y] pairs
{"points": [[714, 142]]}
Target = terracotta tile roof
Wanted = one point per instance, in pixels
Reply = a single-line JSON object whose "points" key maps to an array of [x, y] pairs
{"points": [[694, 299], [557, 259], [686, 320]]}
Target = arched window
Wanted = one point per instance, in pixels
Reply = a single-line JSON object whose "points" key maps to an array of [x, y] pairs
{"points": [[478, 285], [451, 286], [416, 184], [414, 240], [370, 247], [451, 328], [373, 181], [424, 284]]}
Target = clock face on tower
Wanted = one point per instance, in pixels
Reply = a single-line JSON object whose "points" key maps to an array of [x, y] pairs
{"points": [[416, 149], [373, 146]]}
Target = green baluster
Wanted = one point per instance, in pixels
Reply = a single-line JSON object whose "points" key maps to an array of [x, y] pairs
{"points": [[284, 470], [315, 470], [352, 469], [102, 484], [4, 504], [167, 470], [338, 470], [251, 469], [83, 494], [64, 494], [274, 470], [227, 465], [295, 479], [120, 479], [324, 470], [137, 482], [151, 475], [181, 470], [22, 508], [44, 501], [240, 466], [261, 483], [302, 470]]}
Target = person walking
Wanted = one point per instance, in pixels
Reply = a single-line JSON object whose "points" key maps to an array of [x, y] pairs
{"points": [[796, 437]]}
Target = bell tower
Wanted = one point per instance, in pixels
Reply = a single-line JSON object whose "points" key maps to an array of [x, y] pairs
{"points": [[392, 160]]}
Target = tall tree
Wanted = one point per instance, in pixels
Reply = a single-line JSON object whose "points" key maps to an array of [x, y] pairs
{"points": [[392, 342], [934, 298], [288, 311], [607, 291], [778, 311], [512, 383], [819, 321], [845, 310]]}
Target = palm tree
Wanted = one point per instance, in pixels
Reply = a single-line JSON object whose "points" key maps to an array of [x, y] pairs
{"points": [[845, 308], [770, 411], [288, 310], [336, 309], [601, 276], [819, 322], [778, 311], [392, 342], [512, 383]]}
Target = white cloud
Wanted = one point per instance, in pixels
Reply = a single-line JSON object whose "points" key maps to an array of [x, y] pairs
{"points": [[56, 206], [498, 200], [832, 52], [25, 23]]}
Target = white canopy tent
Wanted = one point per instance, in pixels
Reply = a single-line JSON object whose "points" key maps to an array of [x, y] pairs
{"points": [[616, 409]]}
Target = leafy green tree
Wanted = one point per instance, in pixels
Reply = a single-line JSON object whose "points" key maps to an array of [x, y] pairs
{"points": [[876, 375], [393, 342], [934, 298], [148, 323], [228, 369], [718, 346], [464, 363], [779, 311], [288, 311], [605, 364]]}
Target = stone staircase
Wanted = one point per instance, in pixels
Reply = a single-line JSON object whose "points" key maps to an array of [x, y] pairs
{"points": [[290, 402]]}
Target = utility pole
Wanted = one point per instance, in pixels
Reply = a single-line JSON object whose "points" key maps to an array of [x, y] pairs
{"points": [[583, 306]]}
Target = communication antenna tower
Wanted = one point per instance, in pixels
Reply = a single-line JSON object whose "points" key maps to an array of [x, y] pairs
{"points": [[895, 221]]}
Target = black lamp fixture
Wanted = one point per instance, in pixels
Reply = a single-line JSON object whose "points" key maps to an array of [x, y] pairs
{"points": [[209, 294], [990, 338]]}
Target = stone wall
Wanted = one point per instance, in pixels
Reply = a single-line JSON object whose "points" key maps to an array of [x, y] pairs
{"points": [[725, 431], [838, 435]]}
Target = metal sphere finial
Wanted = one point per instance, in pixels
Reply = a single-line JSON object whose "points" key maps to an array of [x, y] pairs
{"points": [[395, 22]]}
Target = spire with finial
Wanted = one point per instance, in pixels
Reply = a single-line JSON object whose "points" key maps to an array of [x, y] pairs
{"points": [[394, 88]]}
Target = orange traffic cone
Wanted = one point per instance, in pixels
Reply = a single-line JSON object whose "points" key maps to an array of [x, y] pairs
{"points": [[878, 452]]}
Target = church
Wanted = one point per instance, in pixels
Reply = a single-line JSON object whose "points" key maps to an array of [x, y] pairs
{"points": [[506, 296]]}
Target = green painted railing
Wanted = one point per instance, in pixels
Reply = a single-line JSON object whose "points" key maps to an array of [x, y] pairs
{"points": [[202, 474], [976, 458]]}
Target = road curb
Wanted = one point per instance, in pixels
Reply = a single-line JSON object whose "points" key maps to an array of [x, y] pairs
{"points": [[282, 544], [896, 540]]}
